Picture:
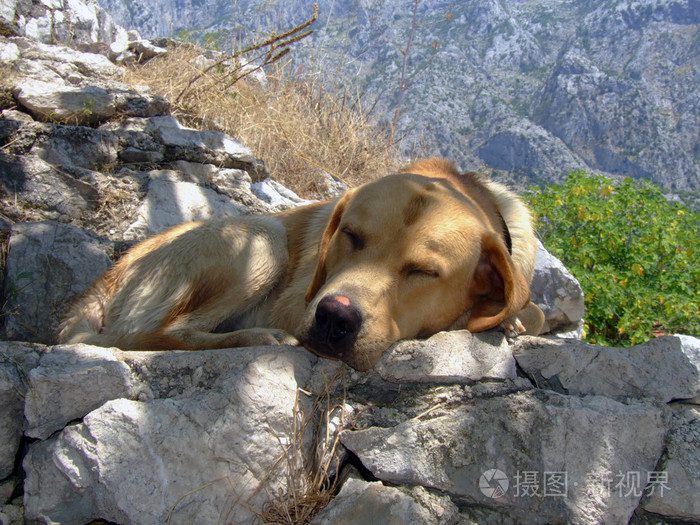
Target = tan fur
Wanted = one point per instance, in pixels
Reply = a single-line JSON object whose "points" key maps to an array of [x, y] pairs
{"points": [[404, 256]]}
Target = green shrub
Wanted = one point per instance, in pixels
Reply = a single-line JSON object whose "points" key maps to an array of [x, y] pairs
{"points": [[635, 254]]}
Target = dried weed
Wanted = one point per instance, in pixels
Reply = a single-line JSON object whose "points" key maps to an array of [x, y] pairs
{"points": [[298, 127]]}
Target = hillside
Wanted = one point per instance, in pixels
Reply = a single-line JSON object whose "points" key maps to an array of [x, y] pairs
{"points": [[531, 88]]}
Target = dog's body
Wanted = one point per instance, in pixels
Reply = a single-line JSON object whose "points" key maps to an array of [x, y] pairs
{"points": [[405, 256]]}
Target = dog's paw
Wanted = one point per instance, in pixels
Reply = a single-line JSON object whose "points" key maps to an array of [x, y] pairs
{"points": [[261, 337], [513, 327]]}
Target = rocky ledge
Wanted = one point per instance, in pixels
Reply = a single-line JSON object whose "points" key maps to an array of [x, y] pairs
{"points": [[460, 428]]}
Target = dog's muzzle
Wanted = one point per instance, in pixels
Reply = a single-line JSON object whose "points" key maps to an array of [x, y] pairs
{"points": [[337, 322]]}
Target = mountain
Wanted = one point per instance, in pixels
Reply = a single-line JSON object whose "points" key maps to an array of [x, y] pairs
{"points": [[532, 89]]}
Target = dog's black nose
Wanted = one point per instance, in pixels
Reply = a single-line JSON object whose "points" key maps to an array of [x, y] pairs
{"points": [[337, 324]]}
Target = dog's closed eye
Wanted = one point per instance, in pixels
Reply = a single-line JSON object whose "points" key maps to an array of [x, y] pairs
{"points": [[415, 270], [357, 240]]}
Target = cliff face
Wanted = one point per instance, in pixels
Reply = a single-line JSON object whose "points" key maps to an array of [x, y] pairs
{"points": [[532, 88]]}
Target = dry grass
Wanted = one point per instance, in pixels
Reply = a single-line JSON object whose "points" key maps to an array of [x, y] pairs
{"points": [[311, 481], [296, 126]]}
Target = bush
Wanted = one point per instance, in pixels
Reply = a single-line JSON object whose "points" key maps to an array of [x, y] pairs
{"points": [[634, 253]]}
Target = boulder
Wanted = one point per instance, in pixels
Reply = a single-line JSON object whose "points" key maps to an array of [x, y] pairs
{"points": [[31, 182], [68, 383], [48, 265], [276, 195], [448, 357], [361, 503], [69, 64], [88, 105], [193, 458], [691, 348], [11, 416], [171, 200], [657, 369], [558, 294], [8, 26], [678, 483], [525, 457]]}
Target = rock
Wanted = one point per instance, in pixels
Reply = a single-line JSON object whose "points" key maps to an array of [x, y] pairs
{"points": [[71, 147], [12, 389], [72, 22], [691, 348], [448, 357], [67, 63], [70, 382], [657, 369], [526, 457], [334, 186], [276, 195], [558, 294], [9, 52], [19, 116], [89, 105], [30, 181], [134, 103], [204, 147], [11, 515], [360, 503], [676, 493], [131, 155], [171, 201], [48, 265], [192, 459], [8, 27], [145, 50]]}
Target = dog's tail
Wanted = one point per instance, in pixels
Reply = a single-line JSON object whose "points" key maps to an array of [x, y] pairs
{"points": [[85, 324], [85, 319]]}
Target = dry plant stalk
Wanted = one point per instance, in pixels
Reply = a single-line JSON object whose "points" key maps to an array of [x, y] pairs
{"points": [[298, 127], [274, 48], [309, 487]]}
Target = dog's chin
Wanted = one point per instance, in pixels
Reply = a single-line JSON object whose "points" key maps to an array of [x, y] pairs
{"points": [[352, 358]]}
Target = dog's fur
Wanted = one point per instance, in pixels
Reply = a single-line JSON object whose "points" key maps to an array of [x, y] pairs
{"points": [[404, 256]]}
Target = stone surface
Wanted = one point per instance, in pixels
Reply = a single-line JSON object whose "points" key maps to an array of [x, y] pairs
{"points": [[656, 369], [558, 294], [676, 495], [171, 201], [449, 357], [189, 459], [534, 439], [48, 264], [69, 65], [70, 382], [691, 348], [362, 503], [12, 389], [276, 195], [34, 182], [77, 105]]}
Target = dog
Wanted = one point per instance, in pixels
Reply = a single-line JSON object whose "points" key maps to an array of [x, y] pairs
{"points": [[404, 256]]}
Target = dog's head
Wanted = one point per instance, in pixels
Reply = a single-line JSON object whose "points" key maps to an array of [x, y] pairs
{"points": [[407, 256]]}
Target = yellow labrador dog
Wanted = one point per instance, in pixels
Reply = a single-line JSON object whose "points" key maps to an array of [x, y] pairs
{"points": [[405, 256]]}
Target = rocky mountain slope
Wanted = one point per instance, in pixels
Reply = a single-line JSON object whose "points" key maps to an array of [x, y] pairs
{"points": [[533, 89]]}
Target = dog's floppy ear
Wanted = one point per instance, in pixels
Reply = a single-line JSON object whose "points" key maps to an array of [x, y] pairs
{"points": [[320, 274], [498, 288]]}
